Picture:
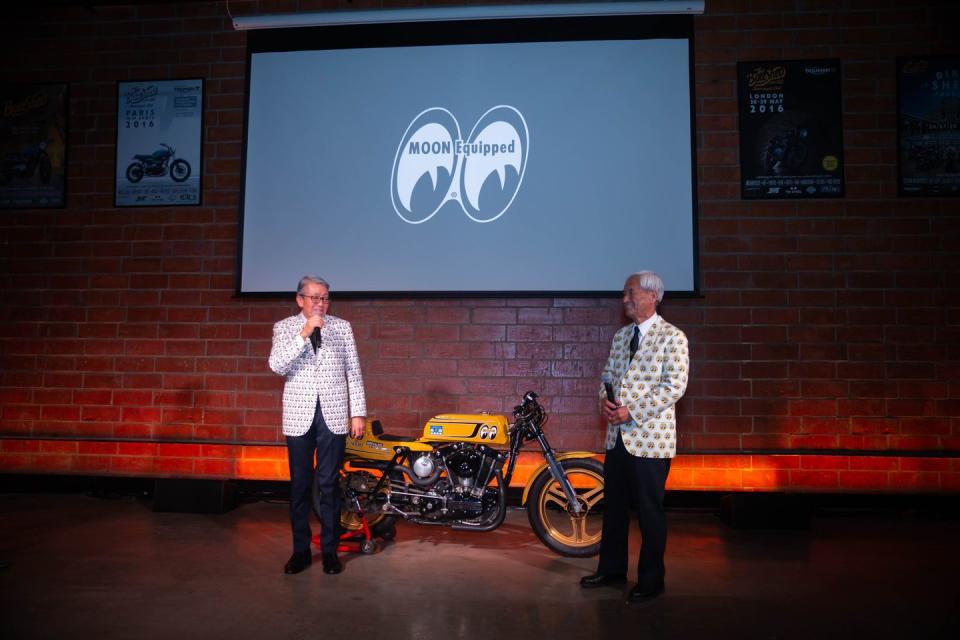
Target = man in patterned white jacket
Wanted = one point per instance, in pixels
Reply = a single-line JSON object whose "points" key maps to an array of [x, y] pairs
{"points": [[647, 374], [317, 355]]}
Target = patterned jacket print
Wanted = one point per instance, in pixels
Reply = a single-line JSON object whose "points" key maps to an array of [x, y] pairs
{"points": [[650, 386], [333, 374]]}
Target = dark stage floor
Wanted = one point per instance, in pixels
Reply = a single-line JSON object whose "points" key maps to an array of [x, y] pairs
{"points": [[88, 567]]}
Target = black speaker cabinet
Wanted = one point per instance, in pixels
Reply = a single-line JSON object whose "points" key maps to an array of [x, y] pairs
{"points": [[194, 496]]}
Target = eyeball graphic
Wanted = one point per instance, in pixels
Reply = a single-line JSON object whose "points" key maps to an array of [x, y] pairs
{"points": [[434, 165]]}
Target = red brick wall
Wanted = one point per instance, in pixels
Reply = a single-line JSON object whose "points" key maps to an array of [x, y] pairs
{"points": [[828, 327]]}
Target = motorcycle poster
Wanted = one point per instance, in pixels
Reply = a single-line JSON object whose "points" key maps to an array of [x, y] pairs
{"points": [[33, 146], [791, 133], [159, 143], [928, 126]]}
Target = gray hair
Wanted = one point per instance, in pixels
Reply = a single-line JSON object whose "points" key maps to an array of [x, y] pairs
{"points": [[311, 279], [649, 281]]}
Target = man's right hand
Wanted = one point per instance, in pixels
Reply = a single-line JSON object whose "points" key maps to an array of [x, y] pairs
{"points": [[313, 322], [614, 413]]}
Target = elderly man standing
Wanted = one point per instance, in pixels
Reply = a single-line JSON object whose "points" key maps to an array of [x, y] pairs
{"points": [[645, 376], [317, 355]]}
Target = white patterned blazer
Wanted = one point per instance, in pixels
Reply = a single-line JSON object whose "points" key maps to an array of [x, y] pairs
{"points": [[332, 374], [650, 385]]}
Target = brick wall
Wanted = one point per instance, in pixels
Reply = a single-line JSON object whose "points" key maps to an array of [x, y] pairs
{"points": [[825, 346]]}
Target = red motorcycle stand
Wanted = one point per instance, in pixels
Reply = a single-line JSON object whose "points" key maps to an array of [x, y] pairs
{"points": [[359, 541]]}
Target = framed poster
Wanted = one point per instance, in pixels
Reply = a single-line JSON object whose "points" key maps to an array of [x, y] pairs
{"points": [[928, 126], [33, 145], [791, 133], [159, 143]]}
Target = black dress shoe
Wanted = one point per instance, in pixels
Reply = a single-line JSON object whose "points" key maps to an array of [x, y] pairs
{"points": [[644, 594], [601, 580], [331, 563], [299, 561]]}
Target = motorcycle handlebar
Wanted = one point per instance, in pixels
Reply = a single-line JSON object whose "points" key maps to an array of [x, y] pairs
{"points": [[530, 409]]}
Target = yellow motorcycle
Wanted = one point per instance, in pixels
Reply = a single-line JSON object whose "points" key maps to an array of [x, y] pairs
{"points": [[453, 476]]}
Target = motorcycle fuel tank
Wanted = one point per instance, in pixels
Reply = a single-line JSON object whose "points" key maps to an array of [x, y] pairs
{"points": [[482, 428], [380, 447]]}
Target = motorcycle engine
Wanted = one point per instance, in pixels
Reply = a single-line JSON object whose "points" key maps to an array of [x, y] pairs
{"points": [[424, 466], [455, 494], [463, 466]]}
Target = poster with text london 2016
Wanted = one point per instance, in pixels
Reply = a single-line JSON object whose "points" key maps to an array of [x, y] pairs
{"points": [[928, 126], [159, 142], [791, 142]]}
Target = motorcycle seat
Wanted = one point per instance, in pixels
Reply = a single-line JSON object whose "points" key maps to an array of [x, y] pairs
{"points": [[144, 156], [388, 437]]}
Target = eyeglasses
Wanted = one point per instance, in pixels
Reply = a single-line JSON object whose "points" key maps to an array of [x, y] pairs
{"points": [[315, 299]]}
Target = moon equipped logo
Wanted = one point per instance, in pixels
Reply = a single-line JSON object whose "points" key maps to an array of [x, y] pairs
{"points": [[483, 173]]}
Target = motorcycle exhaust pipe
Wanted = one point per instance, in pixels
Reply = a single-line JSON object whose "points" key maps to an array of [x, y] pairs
{"points": [[498, 517]]}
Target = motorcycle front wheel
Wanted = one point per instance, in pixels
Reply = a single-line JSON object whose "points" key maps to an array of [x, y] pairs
{"points": [[135, 172], [557, 526], [179, 170]]}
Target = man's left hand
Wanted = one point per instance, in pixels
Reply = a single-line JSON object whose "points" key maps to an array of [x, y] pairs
{"points": [[356, 426]]}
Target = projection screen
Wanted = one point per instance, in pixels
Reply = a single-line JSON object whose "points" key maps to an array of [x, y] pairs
{"points": [[526, 157]]}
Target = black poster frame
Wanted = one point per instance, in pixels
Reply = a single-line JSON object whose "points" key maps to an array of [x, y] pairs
{"points": [[34, 121], [928, 126], [791, 130]]}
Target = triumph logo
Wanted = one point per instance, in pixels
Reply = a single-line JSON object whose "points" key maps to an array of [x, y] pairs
{"points": [[434, 165]]}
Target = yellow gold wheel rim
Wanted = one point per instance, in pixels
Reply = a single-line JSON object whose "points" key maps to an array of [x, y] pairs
{"points": [[562, 526]]}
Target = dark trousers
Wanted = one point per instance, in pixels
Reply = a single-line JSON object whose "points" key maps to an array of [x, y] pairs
{"points": [[329, 454], [641, 482]]}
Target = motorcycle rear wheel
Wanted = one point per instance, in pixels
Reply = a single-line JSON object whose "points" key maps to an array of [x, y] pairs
{"points": [[135, 172], [381, 525], [557, 528]]}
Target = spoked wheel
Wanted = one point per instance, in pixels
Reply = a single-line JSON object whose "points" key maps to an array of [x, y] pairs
{"points": [[135, 172], [569, 534], [179, 170]]}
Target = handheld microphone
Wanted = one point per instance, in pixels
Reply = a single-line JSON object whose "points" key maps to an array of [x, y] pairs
{"points": [[608, 385], [315, 336]]}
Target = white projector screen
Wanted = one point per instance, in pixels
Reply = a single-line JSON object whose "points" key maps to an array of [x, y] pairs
{"points": [[532, 157]]}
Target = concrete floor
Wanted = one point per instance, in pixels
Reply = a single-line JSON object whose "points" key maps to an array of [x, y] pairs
{"points": [[86, 567]]}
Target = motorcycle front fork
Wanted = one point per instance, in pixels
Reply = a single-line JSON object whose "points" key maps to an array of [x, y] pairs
{"points": [[556, 470]]}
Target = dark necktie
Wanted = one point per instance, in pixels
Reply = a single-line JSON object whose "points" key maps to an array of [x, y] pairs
{"points": [[634, 341], [315, 340]]}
